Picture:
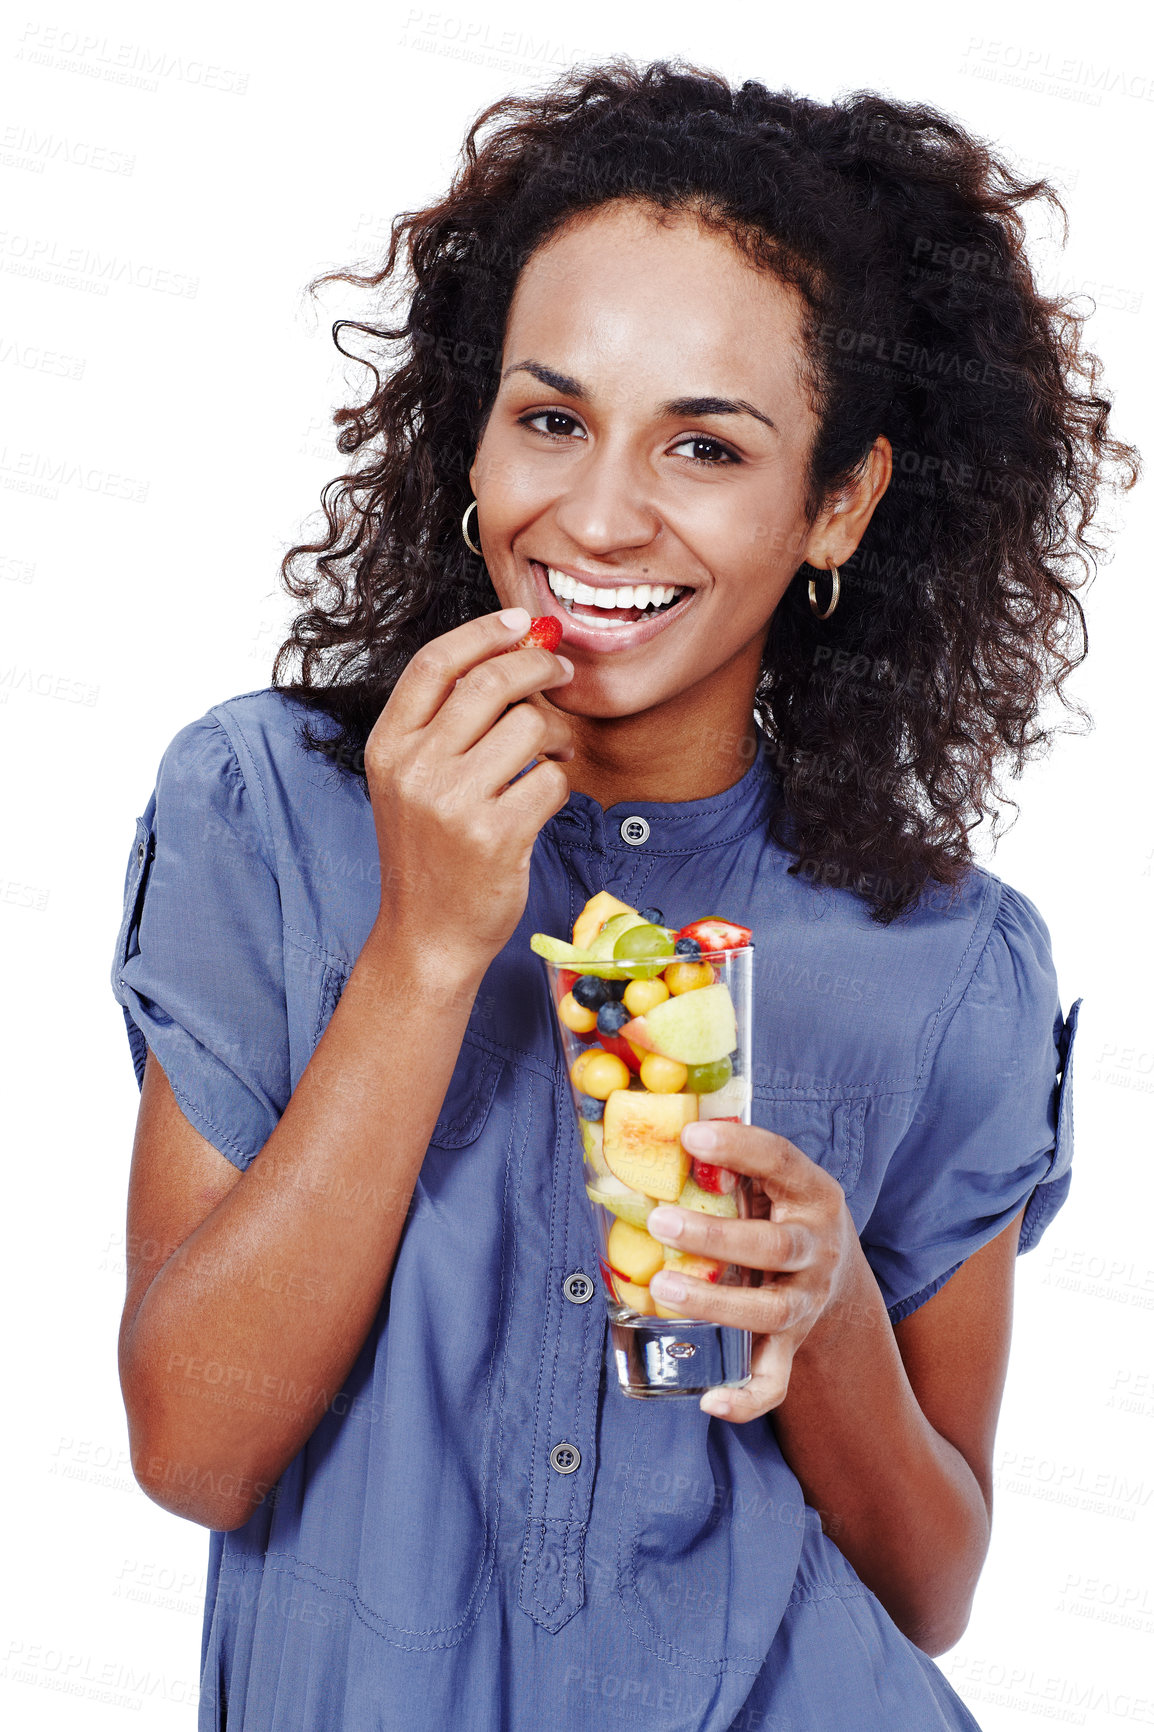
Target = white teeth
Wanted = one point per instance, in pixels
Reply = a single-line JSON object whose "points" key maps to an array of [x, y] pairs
{"points": [[640, 595]]}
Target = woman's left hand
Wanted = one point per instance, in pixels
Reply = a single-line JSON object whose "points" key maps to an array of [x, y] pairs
{"points": [[801, 1239]]}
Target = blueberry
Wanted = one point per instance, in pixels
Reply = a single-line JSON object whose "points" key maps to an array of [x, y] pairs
{"points": [[590, 992], [689, 949], [615, 989], [653, 915], [611, 1017], [589, 1108]]}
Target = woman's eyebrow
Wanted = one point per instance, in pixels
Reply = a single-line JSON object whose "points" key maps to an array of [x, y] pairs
{"points": [[556, 381], [691, 406]]}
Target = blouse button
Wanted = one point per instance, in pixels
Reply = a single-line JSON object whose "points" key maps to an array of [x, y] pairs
{"points": [[635, 831], [564, 1458], [577, 1288], [140, 851]]}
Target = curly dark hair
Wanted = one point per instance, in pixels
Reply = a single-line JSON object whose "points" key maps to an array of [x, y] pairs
{"points": [[922, 322]]}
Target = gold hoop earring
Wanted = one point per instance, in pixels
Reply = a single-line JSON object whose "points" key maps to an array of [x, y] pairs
{"points": [[833, 600], [472, 506]]}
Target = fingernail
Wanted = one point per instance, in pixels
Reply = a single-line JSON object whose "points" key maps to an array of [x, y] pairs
{"points": [[719, 1406], [566, 664], [699, 1135], [666, 1224], [516, 618], [666, 1285]]}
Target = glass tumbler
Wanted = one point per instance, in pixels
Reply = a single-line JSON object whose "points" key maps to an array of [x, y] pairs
{"points": [[636, 1080]]}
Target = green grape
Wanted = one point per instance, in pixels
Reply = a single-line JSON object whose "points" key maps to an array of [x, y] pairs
{"points": [[704, 1078], [647, 941]]}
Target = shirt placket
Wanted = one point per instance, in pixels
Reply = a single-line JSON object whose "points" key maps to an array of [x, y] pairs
{"points": [[552, 1585], [599, 850]]}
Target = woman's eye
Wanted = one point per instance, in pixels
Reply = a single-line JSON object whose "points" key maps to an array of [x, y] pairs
{"points": [[558, 424], [710, 451]]}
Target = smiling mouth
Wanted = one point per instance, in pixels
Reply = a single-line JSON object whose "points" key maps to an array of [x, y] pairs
{"points": [[602, 605]]}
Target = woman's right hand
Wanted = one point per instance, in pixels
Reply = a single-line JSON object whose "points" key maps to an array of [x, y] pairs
{"points": [[455, 835]]}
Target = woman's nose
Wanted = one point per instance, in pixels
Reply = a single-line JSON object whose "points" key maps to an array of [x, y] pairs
{"points": [[607, 504]]}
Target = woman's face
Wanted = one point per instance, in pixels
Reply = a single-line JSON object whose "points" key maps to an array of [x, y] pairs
{"points": [[650, 433]]}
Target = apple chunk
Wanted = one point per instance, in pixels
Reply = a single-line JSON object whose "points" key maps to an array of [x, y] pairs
{"points": [[609, 1193], [706, 1202], [592, 1137], [694, 1027], [642, 1144], [727, 1102]]}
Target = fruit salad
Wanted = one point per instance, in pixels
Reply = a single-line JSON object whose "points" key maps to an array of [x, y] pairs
{"points": [[651, 1039]]}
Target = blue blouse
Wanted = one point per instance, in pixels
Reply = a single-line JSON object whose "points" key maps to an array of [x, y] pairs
{"points": [[421, 1565]]}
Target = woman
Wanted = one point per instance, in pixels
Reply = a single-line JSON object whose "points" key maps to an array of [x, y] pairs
{"points": [[671, 353]]}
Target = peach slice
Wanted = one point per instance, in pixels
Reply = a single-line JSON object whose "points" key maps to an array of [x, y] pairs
{"points": [[704, 1268], [642, 1144], [691, 1263], [631, 1293], [634, 1253], [593, 916]]}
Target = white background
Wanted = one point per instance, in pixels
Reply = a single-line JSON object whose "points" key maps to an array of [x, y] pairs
{"points": [[135, 599]]}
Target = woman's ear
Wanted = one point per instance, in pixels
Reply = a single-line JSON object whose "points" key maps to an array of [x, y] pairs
{"points": [[843, 521]]}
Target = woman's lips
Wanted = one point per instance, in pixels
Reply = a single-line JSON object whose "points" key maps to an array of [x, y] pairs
{"points": [[584, 631]]}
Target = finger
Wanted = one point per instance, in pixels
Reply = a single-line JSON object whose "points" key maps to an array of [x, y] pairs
{"points": [[764, 1155], [431, 673], [779, 1247], [536, 796], [514, 742], [489, 688], [767, 1310], [767, 1387], [522, 734]]}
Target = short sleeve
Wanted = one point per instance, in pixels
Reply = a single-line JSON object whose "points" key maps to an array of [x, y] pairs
{"points": [[199, 961], [993, 1129]]}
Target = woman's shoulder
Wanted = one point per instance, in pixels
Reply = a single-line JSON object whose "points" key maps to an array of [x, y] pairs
{"points": [[885, 996], [999, 988], [1014, 970], [1009, 939], [238, 785], [265, 720], [258, 737], [950, 929], [243, 775]]}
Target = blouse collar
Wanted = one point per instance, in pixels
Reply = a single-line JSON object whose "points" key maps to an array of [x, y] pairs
{"points": [[673, 827]]}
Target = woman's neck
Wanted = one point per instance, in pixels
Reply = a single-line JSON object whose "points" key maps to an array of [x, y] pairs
{"points": [[658, 758]]}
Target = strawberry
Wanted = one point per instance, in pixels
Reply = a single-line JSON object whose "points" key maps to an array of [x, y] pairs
{"points": [[717, 1179], [621, 1048], [544, 633], [715, 934]]}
